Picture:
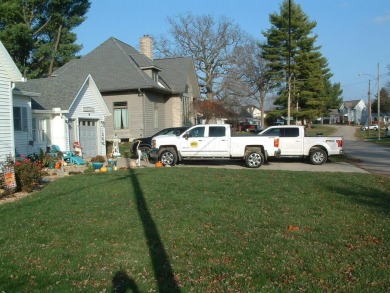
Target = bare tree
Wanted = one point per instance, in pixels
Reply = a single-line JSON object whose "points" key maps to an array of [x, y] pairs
{"points": [[246, 79], [208, 41]]}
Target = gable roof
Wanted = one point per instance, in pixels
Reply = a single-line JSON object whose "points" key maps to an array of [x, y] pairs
{"points": [[351, 104], [9, 65], [176, 72], [55, 92], [115, 66]]}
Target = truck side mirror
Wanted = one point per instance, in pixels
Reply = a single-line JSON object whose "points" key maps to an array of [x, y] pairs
{"points": [[186, 135]]}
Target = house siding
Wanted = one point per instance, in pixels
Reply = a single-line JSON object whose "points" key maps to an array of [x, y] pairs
{"points": [[140, 125], [135, 111], [151, 102], [6, 119], [86, 107], [174, 111]]}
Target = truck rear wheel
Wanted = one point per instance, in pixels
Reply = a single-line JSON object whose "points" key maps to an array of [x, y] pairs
{"points": [[168, 156], [318, 156], [254, 159]]}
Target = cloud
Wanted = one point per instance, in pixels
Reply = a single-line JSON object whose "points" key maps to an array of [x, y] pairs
{"points": [[382, 18]]}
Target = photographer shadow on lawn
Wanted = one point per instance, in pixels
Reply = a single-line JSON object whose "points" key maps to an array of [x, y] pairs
{"points": [[121, 283], [163, 271]]}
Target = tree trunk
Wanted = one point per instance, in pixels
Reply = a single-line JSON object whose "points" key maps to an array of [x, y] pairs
{"points": [[55, 50]]}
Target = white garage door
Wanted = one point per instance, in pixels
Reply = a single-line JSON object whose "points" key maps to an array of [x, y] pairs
{"points": [[89, 137]]}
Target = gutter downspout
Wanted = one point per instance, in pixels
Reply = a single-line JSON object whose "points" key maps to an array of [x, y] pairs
{"points": [[140, 93]]}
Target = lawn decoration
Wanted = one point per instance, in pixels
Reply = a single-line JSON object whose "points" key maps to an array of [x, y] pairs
{"points": [[115, 147], [159, 164]]}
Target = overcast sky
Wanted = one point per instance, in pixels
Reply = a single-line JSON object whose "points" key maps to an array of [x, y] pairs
{"points": [[354, 34]]}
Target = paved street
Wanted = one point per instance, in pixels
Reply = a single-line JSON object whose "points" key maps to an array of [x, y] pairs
{"points": [[373, 158]]}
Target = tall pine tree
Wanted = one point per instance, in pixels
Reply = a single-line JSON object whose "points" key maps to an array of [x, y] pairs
{"points": [[291, 52], [38, 33]]}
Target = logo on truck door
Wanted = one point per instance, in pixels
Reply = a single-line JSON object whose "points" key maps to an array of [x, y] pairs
{"points": [[194, 144]]}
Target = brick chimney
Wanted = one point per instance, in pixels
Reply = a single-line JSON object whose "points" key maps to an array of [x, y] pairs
{"points": [[146, 44]]}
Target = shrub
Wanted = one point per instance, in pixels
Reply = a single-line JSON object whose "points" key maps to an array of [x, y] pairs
{"points": [[27, 173]]}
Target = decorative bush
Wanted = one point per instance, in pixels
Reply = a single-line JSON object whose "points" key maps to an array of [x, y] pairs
{"points": [[27, 173]]}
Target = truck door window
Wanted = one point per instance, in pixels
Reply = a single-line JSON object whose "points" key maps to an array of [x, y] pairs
{"points": [[290, 132], [217, 131], [196, 132]]}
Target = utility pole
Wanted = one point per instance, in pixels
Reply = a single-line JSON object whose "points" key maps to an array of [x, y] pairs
{"points": [[379, 106], [369, 106]]}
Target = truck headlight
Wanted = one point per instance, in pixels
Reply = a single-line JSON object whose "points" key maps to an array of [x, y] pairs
{"points": [[153, 143]]}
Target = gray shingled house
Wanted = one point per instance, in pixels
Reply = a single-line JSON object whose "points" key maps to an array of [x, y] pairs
{"points": [[142, 96]]}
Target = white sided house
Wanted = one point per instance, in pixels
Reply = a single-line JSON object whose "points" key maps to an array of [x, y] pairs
{"points": [[354, 111], [67, 111], [11, 119]]}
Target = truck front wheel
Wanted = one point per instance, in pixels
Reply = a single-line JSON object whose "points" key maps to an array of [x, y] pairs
{"points": [[168, 156], [254, 159], [318, 156]]}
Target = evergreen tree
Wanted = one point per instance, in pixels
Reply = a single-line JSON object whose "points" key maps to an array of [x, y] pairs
{"points": [[385, 102], [38, 33], [293, 58]]}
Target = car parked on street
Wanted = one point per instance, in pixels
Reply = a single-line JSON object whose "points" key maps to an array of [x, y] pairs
{"points": [[371, 127], [145, 143]]}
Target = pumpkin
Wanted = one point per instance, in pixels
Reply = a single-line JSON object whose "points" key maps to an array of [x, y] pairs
{"points": [[57, 165], [103, 169], [158, 164]]}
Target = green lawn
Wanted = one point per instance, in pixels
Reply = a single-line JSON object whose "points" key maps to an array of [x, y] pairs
{"points": [[199, 230], [373, 137]]}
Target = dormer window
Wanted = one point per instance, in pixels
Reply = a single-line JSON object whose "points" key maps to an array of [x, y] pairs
{"points": [[155, 76]]}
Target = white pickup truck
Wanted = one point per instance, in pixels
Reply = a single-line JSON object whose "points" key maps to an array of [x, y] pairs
{"points": [[293, 142], [213, 141]]}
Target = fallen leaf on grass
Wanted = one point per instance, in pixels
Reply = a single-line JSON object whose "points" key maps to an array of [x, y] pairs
{"points": [[292, 228]]}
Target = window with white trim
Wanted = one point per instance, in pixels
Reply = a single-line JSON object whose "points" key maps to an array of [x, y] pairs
{"points": [[121, 115], [39, 129]]}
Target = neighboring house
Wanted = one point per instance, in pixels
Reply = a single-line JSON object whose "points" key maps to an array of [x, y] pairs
{"points": [[385, 117], [67, 109], [353, 112], [13, 115], [144, 95], [334, 117]]}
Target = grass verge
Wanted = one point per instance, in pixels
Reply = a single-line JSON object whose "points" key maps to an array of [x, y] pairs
{"points": [[373, 137], [199, 230]]}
